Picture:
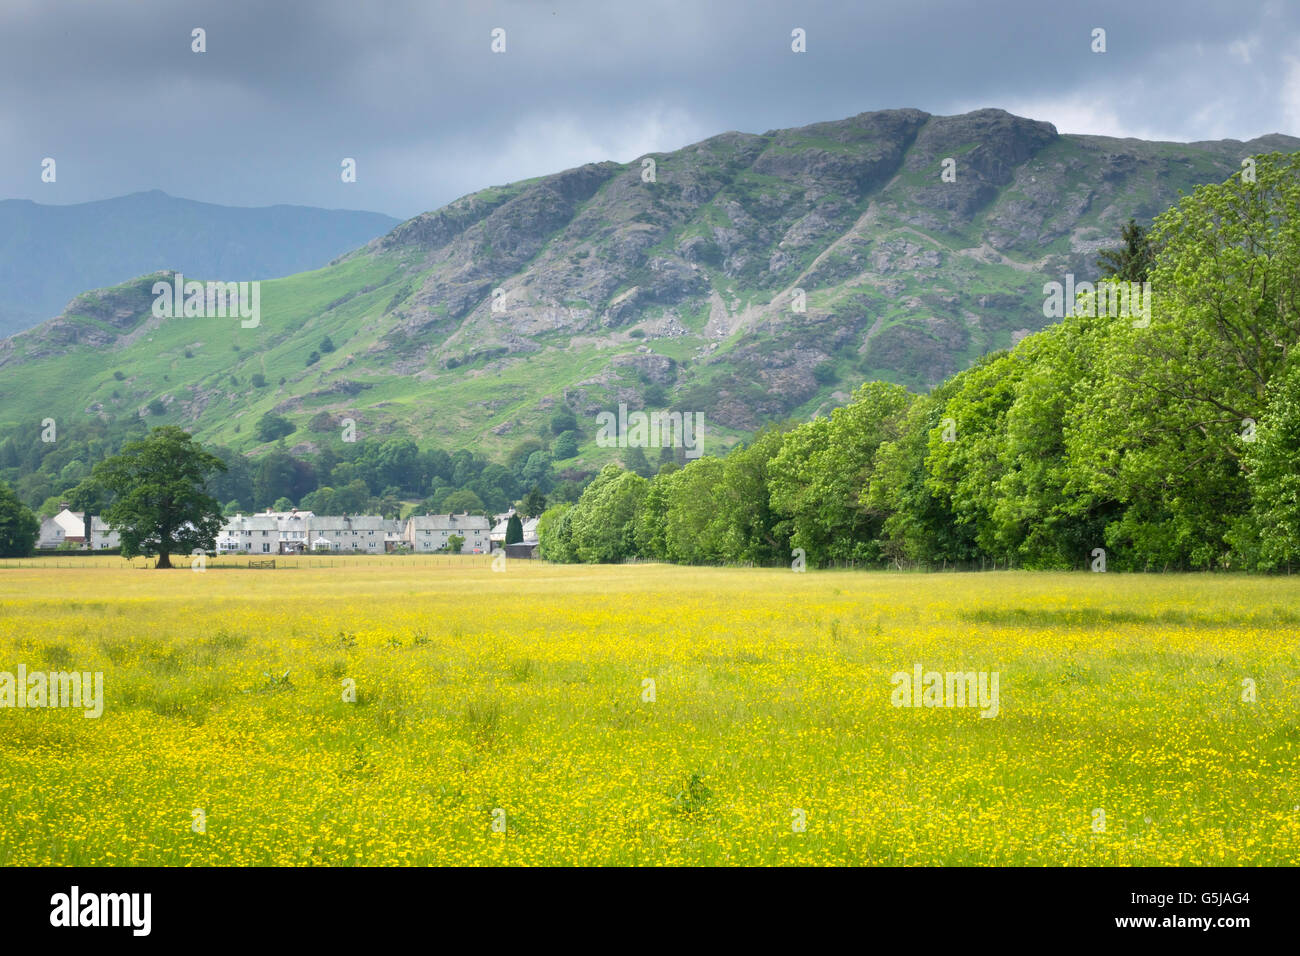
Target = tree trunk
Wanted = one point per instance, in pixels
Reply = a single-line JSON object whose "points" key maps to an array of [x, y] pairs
{"points": [[164, 560]]}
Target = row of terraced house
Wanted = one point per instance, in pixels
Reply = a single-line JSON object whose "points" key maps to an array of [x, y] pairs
{"points": [[299, 532]]}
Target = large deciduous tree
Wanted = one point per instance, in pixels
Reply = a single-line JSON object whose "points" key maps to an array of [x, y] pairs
{"points": [[816, 479], [160, 505], [1272, 463], [18, 526], [603, 519], [555, 534], [1161, 434]]}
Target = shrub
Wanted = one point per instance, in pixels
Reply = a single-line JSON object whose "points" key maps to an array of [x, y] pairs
{"points": [[272, 426]]}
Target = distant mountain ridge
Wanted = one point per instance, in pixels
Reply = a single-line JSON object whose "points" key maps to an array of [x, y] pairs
{"points": [[51, 253], [671, 281]]}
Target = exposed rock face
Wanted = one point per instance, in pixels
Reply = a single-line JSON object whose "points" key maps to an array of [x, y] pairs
{"points": [[122, 309], [854, 212], [751, 277]]}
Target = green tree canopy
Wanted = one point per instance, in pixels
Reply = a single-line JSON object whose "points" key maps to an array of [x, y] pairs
{"points": [[272, 426], [817, 477], [463, 500], [1133, 261], [160, 505], [603, 519], [18, 526], [1160, 431], [566, 446], [514, 530], [534, 504], [1272, 463], [555, 534], [563, 420]]}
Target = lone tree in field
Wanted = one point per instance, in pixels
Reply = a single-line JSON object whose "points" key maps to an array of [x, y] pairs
{"points": [[18, 526], [161, 505]]}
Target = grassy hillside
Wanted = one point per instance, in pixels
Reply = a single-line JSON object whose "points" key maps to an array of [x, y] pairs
{"points": [[677, 292], [51, 253]]}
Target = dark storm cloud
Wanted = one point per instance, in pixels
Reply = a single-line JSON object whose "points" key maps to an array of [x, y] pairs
{"points": [[113, 92]]}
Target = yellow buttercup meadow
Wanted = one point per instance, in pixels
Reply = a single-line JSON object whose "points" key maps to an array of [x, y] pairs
{"points": [[433, 711]]}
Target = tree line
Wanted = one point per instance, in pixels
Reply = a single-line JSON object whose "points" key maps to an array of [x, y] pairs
{"points": [[367, 476], [1160, 442]]}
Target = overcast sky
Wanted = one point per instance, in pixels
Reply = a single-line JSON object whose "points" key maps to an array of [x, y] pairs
{"points": [[112, 91]]}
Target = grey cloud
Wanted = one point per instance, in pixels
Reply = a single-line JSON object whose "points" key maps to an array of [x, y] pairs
{"points": [[410, 89]]}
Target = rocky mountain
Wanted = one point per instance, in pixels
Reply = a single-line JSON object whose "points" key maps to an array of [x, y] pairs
{"points": [[48, 254], [750, 277]]}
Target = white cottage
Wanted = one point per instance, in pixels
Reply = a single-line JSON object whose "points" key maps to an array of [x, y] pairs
{"points": [[360, 534], [272, 532], [249, 534], [497, 536], [426, 533], [70, 526]]}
